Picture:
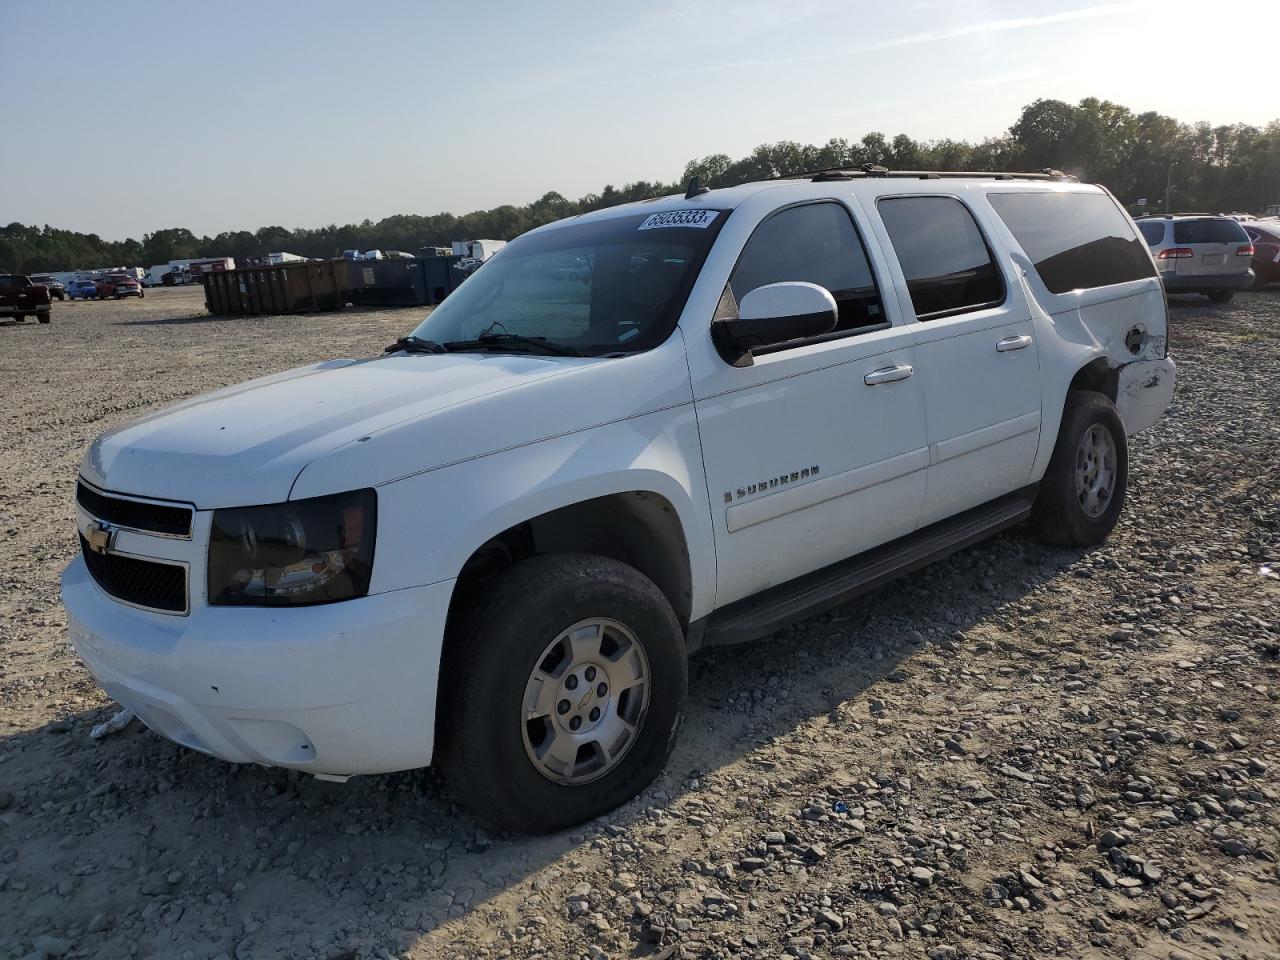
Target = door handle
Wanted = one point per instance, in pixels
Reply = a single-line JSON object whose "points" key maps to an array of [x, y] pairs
{"points": [[1013, 343], [888, 374]]}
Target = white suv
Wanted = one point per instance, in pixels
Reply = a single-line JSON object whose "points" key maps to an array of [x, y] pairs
{"points": [[634, 433]]}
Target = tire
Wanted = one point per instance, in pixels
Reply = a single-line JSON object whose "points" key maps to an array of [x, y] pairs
{"points": [[1059, 515], [1221, 296], [505, 640], [44, 317]]}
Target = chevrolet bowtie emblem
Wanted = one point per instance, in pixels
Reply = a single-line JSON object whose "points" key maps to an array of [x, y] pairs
{"points": [[100, 536]]}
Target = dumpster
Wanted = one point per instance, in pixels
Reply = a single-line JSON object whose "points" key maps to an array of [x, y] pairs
{"points": [[441, 277], [305, 287], [388, 283], [404, 282]]}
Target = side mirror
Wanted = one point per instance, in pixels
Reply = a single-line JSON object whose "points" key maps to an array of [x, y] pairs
{"points": [[774, 313]]}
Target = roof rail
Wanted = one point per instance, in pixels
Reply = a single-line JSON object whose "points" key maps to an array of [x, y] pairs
{"points": [[870, 170]]}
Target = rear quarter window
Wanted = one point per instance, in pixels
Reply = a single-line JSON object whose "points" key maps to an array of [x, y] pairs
{"points": [[1077, 241], [1209, 231], [1152, 231]]}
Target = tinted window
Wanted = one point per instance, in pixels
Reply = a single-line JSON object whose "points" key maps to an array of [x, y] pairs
{"points": [[10, 282], [1152, 231], [816, 243], [943, 255], [1209, 231], [1077, 241]]}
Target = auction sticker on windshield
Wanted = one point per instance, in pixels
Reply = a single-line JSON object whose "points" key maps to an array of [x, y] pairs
{"points": [[680, 218]]}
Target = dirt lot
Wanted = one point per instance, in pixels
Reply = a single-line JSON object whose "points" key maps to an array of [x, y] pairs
{"points": [[1017, 752]]}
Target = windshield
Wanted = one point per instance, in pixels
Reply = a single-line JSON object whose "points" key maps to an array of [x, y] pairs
{"points": [[601, 287]]}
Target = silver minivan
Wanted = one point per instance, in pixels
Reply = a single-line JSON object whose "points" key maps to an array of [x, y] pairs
{"points": [[1200, 254]]}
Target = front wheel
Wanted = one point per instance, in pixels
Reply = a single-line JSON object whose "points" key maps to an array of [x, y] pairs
{"points": [[561, 692], [1083, 488], [1221, 296], [43, 317]]}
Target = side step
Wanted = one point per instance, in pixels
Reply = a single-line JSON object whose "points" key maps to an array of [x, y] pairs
{"points": [[817, 592]]}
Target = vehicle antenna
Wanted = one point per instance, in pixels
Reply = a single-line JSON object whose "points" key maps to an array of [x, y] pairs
{"points": [[695, 189]]}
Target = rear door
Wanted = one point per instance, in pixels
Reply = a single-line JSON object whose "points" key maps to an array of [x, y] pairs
{"points": [[1214, 242], [976, 352]]}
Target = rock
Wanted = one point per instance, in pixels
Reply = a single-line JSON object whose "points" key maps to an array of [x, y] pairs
{"points": [[1235, 847], [51, 946], [830, 918], [1112, 838], [922, 876]]}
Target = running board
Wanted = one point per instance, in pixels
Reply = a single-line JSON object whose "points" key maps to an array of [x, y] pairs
{"points": [[778, 607]]}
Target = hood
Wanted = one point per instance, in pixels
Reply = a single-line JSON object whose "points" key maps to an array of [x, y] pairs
{"points": [[246, 444]]}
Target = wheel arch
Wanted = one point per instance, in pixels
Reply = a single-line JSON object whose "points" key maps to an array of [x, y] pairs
{"points": [[1099, 375], [639, 527]]}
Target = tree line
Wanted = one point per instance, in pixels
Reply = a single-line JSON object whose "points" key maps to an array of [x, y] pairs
{"points": [[1195, 167]]}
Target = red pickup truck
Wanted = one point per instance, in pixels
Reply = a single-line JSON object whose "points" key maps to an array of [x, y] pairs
{"points": [[20, 298]]}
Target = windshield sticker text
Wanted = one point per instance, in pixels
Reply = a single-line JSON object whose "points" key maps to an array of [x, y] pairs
{"points": [[700, 219]]}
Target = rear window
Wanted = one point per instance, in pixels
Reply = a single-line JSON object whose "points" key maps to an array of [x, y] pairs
{"points": [[1152, 231], [1209, 231], [944, 257], [1077, 241], [10, 282]]}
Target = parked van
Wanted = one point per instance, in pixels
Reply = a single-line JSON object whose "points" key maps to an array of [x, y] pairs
{"points": [[637, 433], [1200, 254]]}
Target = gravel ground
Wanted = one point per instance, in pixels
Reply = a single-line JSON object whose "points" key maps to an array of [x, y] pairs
{"points": [[1017, 752]]}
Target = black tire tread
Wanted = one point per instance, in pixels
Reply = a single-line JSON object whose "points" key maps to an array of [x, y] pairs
{"points": [[1056, 517], [465, 728]]}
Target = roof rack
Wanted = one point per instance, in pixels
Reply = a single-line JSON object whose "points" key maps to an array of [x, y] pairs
{"points": [[873, 171]]}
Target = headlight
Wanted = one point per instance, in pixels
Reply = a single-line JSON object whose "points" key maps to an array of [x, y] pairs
{"points": [[303, 552]]}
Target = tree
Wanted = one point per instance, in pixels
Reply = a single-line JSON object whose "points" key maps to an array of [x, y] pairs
{"points": [[1228, 167]]}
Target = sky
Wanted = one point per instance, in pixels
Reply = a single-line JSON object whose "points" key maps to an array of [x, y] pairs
{"points": [[236, 114]]}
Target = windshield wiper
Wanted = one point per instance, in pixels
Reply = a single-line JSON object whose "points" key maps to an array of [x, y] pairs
{"points": [[488, 340], [414, 345]]}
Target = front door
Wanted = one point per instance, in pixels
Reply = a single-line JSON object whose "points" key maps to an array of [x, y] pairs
{"points": [[817, 450], [978, 362]]}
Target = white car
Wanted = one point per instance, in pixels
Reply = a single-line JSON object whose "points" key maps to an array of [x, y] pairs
{"points": [[495, 547]]}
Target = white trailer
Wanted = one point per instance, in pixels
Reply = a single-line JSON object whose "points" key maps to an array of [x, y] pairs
{"points": [[477, 249]]}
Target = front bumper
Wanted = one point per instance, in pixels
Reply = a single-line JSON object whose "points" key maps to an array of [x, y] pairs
{"points": [[1199, 283], [338, 689]]}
